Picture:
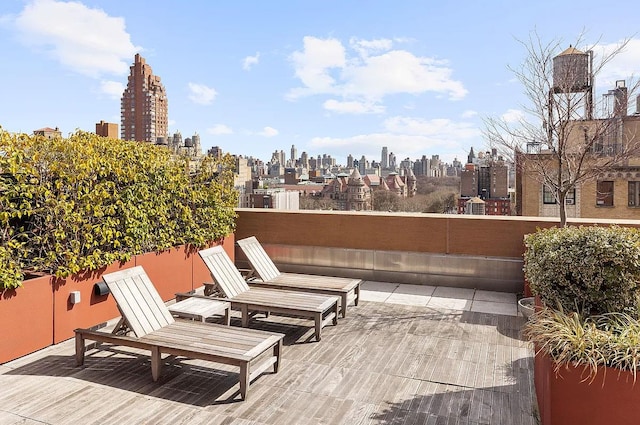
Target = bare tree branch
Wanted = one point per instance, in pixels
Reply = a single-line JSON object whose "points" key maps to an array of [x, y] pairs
{"points": [[565, 137]]}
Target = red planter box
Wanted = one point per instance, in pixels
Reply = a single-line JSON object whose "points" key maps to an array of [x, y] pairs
{"points": [[90, 311], [40, 313], [26, 318], [612, 397]]}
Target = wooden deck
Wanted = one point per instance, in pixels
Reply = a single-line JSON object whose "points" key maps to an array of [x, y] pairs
{"points": [[383, 364]]}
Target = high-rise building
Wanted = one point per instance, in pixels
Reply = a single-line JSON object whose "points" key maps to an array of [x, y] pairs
{"points": [[215, 152], [486, 183], [385, 158], [392, 162], [350, 161], [144, 108], [304, 159], [294, 155]]}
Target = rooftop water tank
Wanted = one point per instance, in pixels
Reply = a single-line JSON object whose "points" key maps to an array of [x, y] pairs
{"points": [[571, 71]]}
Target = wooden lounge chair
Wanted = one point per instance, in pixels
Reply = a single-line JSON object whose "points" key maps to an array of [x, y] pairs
{"points": [[250, 300], [265, 270], [154, 329]]}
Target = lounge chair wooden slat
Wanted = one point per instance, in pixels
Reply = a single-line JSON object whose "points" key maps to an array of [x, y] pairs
{"points": [[265, 269], [156, 330], [249, 299]]}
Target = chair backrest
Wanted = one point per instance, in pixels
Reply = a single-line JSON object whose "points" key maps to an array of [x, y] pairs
{"points": [[138, 300], [258, 258], [224, 272]]}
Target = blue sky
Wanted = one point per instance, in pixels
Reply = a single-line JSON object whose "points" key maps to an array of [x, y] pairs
{"points": [[334, 77]]}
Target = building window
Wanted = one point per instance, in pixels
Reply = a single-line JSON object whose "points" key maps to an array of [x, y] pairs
{"points": [[549, 196], [604, 194], [634, 194]]}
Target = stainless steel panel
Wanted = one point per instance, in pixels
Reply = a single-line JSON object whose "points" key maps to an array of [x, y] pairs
{"points": [[321, 256], [490, 273]]}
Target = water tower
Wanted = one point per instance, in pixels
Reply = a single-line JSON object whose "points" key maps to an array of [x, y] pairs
{"points": [[572, 73]]}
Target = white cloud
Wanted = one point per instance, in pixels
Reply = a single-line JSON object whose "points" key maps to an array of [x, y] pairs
{"points": [[353, 107], [400, 71], [313, 65], [81, 38], [373, 72], [113, 89], [440, 128], [622, 67], [219, 129], [367, 47], [412, 136], [249, 61], [513, 115], [268, 132], [410, 145], [469, 113], [201, 94]]}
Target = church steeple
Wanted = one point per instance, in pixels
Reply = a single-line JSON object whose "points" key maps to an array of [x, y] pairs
{"points": [[471, 156]]}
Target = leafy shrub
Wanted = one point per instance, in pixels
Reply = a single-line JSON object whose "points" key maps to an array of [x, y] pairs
{"points": [[10, 270], [589, 270], [83, 202]]}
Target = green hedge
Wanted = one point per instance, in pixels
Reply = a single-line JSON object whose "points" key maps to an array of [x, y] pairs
{"points": [[83, 202], [589, 270]]}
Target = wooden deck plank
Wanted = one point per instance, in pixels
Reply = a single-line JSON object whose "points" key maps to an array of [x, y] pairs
{"points": [[373, 367]]}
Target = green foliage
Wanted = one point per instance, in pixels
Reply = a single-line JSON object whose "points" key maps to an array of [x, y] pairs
{"points": [[10, 270], [83, 202], [611, 339], [589, 270]]}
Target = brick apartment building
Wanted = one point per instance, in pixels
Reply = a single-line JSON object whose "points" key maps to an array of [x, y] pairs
{"points": [[144, 108], [485, 178]]}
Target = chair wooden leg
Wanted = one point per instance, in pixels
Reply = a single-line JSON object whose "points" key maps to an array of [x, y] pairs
{"points": [[277, 349], [245, 315], [356, 292], [227, 316], [318, 320], [244, 380], [156, 363], [343, 302], [79, 349]]}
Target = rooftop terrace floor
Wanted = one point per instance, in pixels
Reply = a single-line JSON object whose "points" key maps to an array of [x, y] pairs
{"points": [[406, 355]]}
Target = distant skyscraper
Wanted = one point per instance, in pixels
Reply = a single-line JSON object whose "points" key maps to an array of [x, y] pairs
{"points": [[144, 108], [385, 157], [275, 157], [362, 165], [215, 152], [350, 161], [304, 159], [392, 162], [294, 155]]}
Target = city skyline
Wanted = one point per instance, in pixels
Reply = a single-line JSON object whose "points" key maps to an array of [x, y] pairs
{"points": [[332, 79]]}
